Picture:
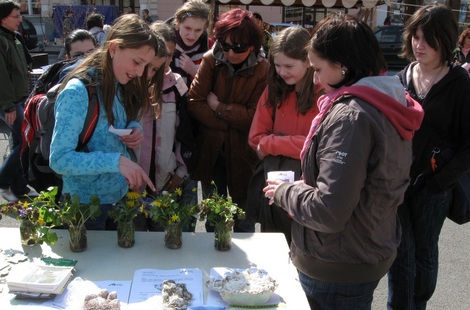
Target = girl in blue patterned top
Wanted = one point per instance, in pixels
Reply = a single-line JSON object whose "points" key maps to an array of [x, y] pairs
{"points": [[118, 68]]}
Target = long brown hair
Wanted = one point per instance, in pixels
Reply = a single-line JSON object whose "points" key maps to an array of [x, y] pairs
{"points": [[156, 83], [129, 31], [292, 42]]}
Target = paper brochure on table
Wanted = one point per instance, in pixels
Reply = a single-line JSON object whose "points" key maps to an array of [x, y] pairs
{"points": [[214, 299], [34, 278], [146, 286]]}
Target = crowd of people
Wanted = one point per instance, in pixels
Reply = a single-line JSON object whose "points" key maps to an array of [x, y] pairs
{"points": [[225, 105]]}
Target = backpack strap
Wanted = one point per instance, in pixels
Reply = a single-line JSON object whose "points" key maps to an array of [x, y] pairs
{"points": [[91, 119]]}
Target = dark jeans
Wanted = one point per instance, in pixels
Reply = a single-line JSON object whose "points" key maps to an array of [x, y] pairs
{"points": [[102, 222], [413, 276], [338, 296], [11, 173]]}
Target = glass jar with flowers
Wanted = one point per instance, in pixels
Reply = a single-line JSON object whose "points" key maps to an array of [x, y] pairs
{"points": [[37, 217], [123, 215], [74, 215], [167, 211], [219, 211]]}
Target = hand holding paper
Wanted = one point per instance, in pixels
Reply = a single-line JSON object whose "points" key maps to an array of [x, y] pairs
{"points": [[119, 132]]}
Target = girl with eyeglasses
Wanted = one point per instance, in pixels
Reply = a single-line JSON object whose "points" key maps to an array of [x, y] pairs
{"points": [[223, 99]]}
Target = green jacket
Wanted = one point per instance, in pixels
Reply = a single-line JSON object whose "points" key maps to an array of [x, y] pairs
{"points": [[14, 70]]}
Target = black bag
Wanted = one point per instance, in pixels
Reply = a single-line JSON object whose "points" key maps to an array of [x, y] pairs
{"points": [[459, 211], [186, 134], [272, 218]]}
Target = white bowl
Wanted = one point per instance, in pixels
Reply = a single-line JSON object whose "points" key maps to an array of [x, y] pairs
{"points": [[246, 299], [248, 287]]}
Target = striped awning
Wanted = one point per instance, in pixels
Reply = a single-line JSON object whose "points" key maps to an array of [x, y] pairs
{"points": [[368, 4]]}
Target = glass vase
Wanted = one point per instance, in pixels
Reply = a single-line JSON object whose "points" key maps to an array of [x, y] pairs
{"points": [[28, 232], [78, 238], [173, 235], [126, 234], [223, 237]]}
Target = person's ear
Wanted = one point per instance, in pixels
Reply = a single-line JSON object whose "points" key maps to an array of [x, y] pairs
{"points": [[112, 49]]}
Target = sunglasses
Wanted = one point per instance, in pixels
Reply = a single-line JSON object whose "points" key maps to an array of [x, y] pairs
{"points": [[236, 48]]}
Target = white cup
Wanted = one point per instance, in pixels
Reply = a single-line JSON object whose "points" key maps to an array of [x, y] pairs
{"points": [[283, 176]]}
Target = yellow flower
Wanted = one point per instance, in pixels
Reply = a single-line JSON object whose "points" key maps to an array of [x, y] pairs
{"points": [[179, 191], [130, 203], [132, 195], [40, 221], [144, 194], [25, 205], [175, 218], [157, 203]]}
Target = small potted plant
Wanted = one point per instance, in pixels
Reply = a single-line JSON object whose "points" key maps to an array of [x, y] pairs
{"points": [[219, 211], [74, 215], [167, 211], [123, 215], [37, 217]]}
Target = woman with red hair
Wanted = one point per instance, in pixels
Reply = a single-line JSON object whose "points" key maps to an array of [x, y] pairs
{"points": [[462, 52], [223, 99]]}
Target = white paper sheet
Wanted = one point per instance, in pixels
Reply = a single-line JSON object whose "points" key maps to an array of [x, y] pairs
{"points": [[119, 132], [146, 286]]}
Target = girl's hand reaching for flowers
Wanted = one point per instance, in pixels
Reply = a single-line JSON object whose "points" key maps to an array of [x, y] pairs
{"points": [[135, 176]]}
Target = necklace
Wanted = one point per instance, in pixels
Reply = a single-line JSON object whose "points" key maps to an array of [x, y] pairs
{"points": [[423, 90]]}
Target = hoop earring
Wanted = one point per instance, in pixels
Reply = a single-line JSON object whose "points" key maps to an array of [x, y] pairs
{"points": [[343, 72]]}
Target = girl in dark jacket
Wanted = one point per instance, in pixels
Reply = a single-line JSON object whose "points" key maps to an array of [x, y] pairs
{"points": [[441, 152]]}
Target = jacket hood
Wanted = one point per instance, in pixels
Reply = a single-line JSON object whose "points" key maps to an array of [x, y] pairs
{"points": [[387, 94]]}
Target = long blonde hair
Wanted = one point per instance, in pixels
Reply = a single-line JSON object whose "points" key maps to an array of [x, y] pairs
{"points": [[129, 31]]}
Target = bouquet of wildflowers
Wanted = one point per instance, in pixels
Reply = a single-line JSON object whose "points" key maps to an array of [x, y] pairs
{"points": [[167, 208], [75, 214], [219, 210], [128, 208], [41, 212]]}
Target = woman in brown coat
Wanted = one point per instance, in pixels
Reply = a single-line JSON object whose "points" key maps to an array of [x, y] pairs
{"points": [[223, 99]]}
